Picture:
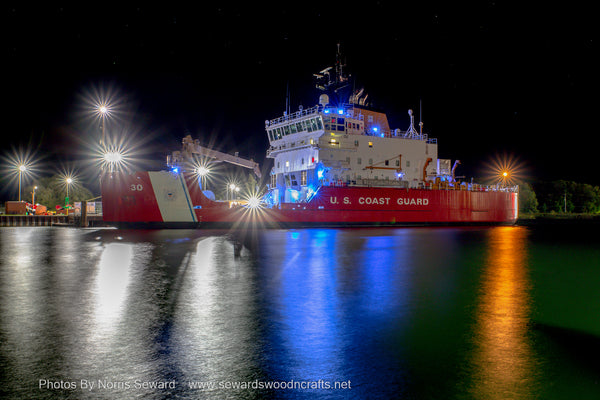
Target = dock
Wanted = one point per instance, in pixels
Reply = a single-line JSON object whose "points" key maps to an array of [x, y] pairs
{"points": [[51, 220]]}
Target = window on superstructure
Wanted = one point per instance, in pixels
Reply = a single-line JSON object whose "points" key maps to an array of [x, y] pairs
{"points": [[286, 130], [370, 118], [308, 126], [348, 160], [341, 128], [293, 128], [397, 163], [294, 181], [273, 180], [303, 178], [370, 144], [359, 160], [356, 143], [299, 127], [326, 126], [370, 161], [341, 121], [319, 124], [407, 164]]}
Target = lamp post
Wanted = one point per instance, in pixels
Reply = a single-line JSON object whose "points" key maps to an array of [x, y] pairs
{"points": [[69, 181], [103, 111], [33, 195], [22, 168], [231, 187]]}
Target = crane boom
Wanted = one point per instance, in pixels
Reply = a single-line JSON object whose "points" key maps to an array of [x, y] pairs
{"points": [[191, 146]]}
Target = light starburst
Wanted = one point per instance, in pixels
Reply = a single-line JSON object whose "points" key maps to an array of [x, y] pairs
{"points": [[506, 170]]}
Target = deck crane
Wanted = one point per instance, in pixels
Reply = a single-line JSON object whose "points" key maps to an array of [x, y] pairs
{"points": [[191, 147]]}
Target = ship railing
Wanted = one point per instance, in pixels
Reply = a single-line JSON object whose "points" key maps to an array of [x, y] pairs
{"points": [[398, 133], [295, 115]]}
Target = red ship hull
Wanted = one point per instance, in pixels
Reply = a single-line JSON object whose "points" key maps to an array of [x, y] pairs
{"points": [[165, 199]]}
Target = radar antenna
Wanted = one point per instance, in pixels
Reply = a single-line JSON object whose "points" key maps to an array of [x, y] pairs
{"points": [[336, 80], [411, 133]]}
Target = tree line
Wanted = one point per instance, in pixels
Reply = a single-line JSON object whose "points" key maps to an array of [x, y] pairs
{"points": [[52, 191], [559, 197]]}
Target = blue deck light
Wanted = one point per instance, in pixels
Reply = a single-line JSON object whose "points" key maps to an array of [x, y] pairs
{"points": [[340, 111]]}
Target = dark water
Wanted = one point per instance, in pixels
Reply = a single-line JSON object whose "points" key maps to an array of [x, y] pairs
{"points": [[419, 313]]}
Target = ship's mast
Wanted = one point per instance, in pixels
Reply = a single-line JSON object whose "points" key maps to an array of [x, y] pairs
{"points": [[332, 80]]}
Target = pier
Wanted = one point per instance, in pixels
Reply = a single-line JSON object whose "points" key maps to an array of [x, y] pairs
{"points": [[51, 220]]}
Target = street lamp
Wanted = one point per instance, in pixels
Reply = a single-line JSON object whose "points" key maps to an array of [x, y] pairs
{"points": [[69, 181], [202, 171], [112, 158], [231, 187], [33, 195], [103, 112], [22, 169]]}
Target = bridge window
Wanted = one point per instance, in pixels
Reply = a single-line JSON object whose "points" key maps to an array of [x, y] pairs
{"points": [[319, 124], [286, 130], [293, 128]]}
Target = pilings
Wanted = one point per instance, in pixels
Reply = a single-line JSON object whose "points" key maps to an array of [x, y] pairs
{"points": [[33, 220]]}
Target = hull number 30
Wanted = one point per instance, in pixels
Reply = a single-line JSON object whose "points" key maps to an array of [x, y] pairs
{"points": [[136, 188]]}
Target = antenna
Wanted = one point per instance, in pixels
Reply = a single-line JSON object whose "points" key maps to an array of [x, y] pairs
{"points": [[421, 117], [287, 98]]}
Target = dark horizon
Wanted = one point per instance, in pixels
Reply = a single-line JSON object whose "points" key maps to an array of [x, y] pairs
{"points": [[493, 79]]}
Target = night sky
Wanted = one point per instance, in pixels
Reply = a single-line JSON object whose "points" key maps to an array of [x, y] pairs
{"points": [[494, 77]]}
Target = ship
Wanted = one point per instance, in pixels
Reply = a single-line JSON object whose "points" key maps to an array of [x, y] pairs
{"points": [[335, 164]]}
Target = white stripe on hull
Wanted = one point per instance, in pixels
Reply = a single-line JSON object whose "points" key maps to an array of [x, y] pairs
{"points": [[172, 197]]}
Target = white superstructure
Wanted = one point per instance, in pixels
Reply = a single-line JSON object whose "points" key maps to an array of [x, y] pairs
{"points": [[347, 145]]}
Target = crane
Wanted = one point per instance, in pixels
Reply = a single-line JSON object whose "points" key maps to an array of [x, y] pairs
{"points": [[376, 165], [191, 147]]}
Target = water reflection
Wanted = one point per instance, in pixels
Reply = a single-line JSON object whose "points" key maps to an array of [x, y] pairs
{"points": [[111, 283], [503, 363]]}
